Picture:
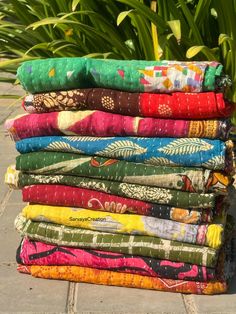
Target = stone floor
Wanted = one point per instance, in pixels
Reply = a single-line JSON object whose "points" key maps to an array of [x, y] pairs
{"points": [[23, 294]]}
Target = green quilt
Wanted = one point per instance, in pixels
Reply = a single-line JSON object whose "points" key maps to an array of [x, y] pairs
{"points": [[135, 76], [120, 243], [177, 178], [140, 192]]}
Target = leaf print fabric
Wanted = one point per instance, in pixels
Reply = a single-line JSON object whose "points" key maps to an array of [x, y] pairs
{"points": [[98, 123], [39, 253], [124, 148], [206, 105], [128, 75], [184, 146], [180, 178], [218, 154], [62, 195], [207, 235]]}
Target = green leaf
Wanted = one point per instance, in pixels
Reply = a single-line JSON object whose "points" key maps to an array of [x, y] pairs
{"points": [[14, 61], [225, 38], [10, 96], [122, 16], [38, 46], [74, 4], [98, 55], [175, 26], [7, 80], [62, 47], [50, 20], [214, 13], [190, 19], [144, 35], [144, 10], [193, 51]]}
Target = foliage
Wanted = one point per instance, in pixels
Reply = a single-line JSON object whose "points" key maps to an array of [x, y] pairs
{"points": [[120, 29]]}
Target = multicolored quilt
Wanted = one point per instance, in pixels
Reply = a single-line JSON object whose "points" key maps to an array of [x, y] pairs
{"points": [[189, 152], [140, 192], [205, 234], [111, 278], [206, 105], [62, 195], [129, 75], [117, 243], [39, 253], [98, 123], [179, 178]]}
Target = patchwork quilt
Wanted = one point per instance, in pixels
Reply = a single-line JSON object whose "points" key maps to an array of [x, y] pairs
{"points": [[128, 75], [177, 105]]}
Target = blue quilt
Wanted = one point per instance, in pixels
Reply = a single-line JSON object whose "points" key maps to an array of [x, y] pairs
{"points": [[210, 154]]}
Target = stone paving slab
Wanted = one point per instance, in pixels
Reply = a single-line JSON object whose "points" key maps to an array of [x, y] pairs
{"points": [[3, 187], [15, 198], [8, 233], [217, 304], [21, 293], [101, 299], [10, 112]]}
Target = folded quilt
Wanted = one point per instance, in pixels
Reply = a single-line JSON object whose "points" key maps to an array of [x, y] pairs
{"points": [[206, 105], [111, 278], [129, 75], [98, 123], [39, 253], [62, 195], [189, 152], [140, 192], [179, 178], [117, 243], [205, 234]]}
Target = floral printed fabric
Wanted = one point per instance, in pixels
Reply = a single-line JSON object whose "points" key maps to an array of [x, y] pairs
{"points": [[39, 253], [194, 152], [208, 235], [111, 278], [179, 178], [207, 105], [131, 75], [140, 192], [98, 123], [117, 243], [62, 195]]}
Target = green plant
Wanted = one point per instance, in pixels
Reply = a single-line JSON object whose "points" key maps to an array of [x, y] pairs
{"points": [[120, 29]]}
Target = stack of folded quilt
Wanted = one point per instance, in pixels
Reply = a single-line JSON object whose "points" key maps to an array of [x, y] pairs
{"points": [[125, 166]]}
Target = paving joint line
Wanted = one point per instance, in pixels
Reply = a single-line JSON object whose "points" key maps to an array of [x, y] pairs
{"points": [[71, 298], [4, 201], [189, 304], [8, 264], [7, 116]]}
